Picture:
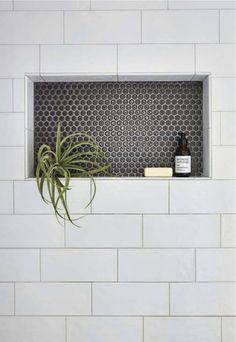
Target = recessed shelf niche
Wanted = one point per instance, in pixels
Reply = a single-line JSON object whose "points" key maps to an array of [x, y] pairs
{"points": [[135, 122]]}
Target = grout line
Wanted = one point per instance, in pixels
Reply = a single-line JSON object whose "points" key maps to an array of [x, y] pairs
{"points": [[91, 194], [138, 248], [114, 282], [63, 33], [14, 294], [91, 299], [195, 253], [120, 213], [90, 5], [126, 315], [221, 231], [169, 301], [221, 330], [113, 44], [39, 58], [13, 197], [117, 62], [168, 5], [13, 5], [195, 58], [168, 197], [40, 262], [220, 126], [219, 24], [117, 264], [12, 95], [124, 9], [65, 329], [142, 218], [64, 226], [143, 326], [141, 27]]}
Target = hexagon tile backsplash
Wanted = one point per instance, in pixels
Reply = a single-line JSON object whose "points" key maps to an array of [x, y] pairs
{"points": [[135, 123]]}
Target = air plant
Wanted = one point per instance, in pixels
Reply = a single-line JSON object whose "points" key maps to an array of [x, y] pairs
{"points": [[76, 155]]}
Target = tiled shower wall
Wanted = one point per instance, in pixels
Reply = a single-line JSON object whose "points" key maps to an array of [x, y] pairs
{"points": [[154, 259]]}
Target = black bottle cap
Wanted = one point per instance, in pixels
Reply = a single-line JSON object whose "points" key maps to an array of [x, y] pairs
{"points": [[182, 139]]}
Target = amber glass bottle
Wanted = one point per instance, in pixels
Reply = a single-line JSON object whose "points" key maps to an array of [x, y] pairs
{"points": [[182, 158]]}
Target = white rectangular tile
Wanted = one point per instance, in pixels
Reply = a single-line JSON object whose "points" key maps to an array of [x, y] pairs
{"points": [[130, 4], [216, 127], [228, 128], [228, 329], [19, 265], [6, 95], [5, 5], [6, 299], [184, 329], [48, 5], [105, 231], [17, 60], [6, 197], [204, 196], [227, 26], [224, 162], [228, 231], [143, 196], [156, 265], [170, 26], [28, 329], [200, 4], [38, 299], [19, 95], [130, 299], [223, 94], [210, 299], [181, 231], [104, 329], [79, 265], [168, 58], [29, 201], [215, 264], [11, 129], [223, 65], [78, 58], [88, 27], [30, 231], [23, 27], [12, 160]]}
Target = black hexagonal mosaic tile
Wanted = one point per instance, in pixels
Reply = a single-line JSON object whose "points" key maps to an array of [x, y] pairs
{"points": [[135, 123]]}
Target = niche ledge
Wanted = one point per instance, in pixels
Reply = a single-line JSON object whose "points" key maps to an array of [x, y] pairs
{"points": [[102, 86]]}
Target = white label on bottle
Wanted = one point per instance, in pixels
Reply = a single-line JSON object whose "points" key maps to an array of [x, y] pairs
{"points": [[183, 164]]}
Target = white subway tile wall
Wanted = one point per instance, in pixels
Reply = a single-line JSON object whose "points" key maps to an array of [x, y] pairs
{"points": [[228, 329], [156, 265], [19, 95], [228, 230], [130, 299], [51, 299], [154, 259], [7, 299], [170, 26], [159, 58], [203, 299], [37, 329], [88, 27], [165, 329], [104, 329]]}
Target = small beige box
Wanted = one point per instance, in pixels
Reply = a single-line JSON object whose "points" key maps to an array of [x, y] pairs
{"points": [[158, 172]]}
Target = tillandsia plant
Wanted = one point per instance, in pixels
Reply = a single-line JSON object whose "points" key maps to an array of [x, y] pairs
{"points": [[76, 155]]}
